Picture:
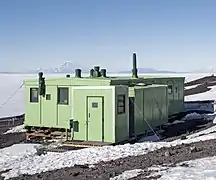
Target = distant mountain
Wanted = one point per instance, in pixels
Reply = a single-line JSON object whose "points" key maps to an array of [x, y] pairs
{"points": [[148, 70], [69, 67], [66, 67]]}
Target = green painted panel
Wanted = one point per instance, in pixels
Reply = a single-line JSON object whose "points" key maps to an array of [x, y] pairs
{"points": [[151, 108], [32, 110], [79, 111], [95, 127], [121, 120], [49, 108], [138, 108], [175, 95], [64, 113]]}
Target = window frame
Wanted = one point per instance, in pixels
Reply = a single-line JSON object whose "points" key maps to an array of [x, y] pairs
{"points": [[59, 96], [32, 99], [121, 108], [170, 89]]}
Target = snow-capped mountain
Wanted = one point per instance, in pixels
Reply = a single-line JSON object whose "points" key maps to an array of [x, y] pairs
{"points": [[66, 67]]}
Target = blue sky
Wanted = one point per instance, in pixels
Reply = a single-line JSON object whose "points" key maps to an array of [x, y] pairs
{"points": [[177, 35]]}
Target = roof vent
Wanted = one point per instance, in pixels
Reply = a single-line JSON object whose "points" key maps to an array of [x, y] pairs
{"points": [[103, 72], [78, 73], [91, 73], [96, 71]]}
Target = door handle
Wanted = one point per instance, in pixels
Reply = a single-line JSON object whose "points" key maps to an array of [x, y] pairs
{"points": [[89, 115]]}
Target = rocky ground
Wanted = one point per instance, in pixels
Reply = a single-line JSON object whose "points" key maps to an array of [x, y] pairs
{"points": [[10, 139], [202, 85], [106, 170]]}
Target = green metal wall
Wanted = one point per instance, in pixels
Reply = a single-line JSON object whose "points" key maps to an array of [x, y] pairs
{"points": [[80, 114], [151, 104], [115, 126], [47, 113], [121, 120], [32, 110], [176, 96], [151, 107]]}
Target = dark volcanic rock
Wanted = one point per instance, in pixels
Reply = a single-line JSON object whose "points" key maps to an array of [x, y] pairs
{"points": [[105, 170]]}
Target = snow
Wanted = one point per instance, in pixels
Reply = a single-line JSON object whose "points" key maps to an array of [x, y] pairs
{"points": [[25, 161], [198, 169], [128, 174], [209, 95], [16, 129], [190, 87], [204, 132], [192, 116]]}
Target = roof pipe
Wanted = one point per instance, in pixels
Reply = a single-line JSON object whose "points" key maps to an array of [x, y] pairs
{"points": [[134, 70]]}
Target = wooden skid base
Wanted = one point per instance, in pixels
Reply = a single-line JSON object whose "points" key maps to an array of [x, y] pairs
{"points": [[37, 135], [85, 144]]}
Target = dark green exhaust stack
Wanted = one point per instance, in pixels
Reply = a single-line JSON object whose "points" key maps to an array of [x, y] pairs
{"points": [[78, 73], [91, 73], [97, 71], [42, 86], [103, 72], [134, 70]]}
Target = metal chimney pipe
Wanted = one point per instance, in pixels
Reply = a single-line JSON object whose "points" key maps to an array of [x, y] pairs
{"points": [[134, 70], [91, 73], [96, 71], [78, 73], [103, 72]]}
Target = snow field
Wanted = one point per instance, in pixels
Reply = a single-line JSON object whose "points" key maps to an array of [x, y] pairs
{"points": [[21, 158], [199, 169]]}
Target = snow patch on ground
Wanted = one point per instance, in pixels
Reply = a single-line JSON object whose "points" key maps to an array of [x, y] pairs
{"points": [[192, 116], [30, 163], [16, 129], [209, 95], [204, 132], [190, 87], [198, 169], [127, 174], [11, 156]]}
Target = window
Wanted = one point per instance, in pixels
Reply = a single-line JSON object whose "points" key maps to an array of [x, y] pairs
{"points": [[33, 94], [48, 96], [94, 105], [63, 96], [121, 104], [170, 89]]}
